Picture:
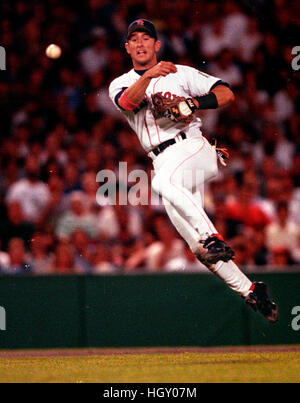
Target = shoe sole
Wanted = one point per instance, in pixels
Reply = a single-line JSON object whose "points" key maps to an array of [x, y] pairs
{"points": [[261, 302]]}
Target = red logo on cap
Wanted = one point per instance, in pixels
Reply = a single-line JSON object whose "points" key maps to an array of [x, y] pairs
{"points": [[140, 22]]}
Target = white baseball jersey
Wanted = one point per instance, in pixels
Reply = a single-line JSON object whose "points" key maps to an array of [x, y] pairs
{"points": [[186, 82]]}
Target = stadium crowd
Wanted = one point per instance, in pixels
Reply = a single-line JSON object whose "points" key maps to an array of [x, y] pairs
{"points": [[59, 130]]}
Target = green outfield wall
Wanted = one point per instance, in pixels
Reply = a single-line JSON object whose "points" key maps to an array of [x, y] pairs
{"points": [[141, 310]]}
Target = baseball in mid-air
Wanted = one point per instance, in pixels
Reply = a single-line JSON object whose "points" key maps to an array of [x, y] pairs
{"points": [[53, 51]]}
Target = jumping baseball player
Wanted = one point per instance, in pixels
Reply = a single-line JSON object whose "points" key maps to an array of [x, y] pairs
{"points": [[159, 101]]}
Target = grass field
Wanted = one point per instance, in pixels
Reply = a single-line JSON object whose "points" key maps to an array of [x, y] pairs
{"points": [[280, 364]]}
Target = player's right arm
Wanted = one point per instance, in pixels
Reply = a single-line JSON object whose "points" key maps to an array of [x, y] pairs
{"points": [[134, 95]]}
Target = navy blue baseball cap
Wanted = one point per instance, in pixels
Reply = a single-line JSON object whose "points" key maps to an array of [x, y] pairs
{"points": [[142, 25]]}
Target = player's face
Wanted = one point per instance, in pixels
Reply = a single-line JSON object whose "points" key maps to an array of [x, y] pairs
{"points": [[142, 49]]}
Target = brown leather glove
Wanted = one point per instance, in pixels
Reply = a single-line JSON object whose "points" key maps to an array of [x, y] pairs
{"points": [[168, 108]]}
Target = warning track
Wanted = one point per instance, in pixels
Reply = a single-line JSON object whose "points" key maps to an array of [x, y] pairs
{"points": [[66, 352]]}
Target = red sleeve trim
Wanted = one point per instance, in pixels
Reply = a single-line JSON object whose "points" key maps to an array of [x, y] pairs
{"points": [[125, 103]]}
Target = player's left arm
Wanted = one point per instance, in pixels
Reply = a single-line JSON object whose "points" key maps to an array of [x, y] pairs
{"points": [[223, 94], [206, 92], [219, 95]]}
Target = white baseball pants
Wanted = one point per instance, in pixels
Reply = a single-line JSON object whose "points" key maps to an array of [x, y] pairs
{"points": [[180, 173]]}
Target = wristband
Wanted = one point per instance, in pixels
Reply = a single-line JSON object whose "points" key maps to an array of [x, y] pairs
{"points": [[126, 104], [208, 101]]}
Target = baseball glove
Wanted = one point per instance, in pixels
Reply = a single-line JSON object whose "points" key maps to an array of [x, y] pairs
{"points": [[168, 108], [222, 153]]}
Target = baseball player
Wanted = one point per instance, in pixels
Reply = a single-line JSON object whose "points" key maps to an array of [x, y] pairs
{"points": [[159, 101]]}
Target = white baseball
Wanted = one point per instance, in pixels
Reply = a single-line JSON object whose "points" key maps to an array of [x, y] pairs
{"points": [[53, 51], [184, 108]]}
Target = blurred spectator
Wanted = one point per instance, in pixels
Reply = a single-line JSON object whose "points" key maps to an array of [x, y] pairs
{"points": [[95, 56], [64, 262], [57, 204], [89, 187], [213, 40], [249, 40], [295, 206], [4, 260], [120, 222], [282, 232], [129, 222], [40, 260], [174, 43], [274, 143], [271, 195], [183, 260], [245, 210], [17, 260], [285, 102], [259, 246], [280, 257], [30, 191], [225, 67], [53, 151], [295, 253], [235, 22], [79, 217], [241, 257], [71, 178], [103, 262], [167, 253], [9, 176], [83, 250], [15, 226]]}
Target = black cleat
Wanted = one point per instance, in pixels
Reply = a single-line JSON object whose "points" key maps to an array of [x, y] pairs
{"points": [[259, 300], [214, 250]]}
